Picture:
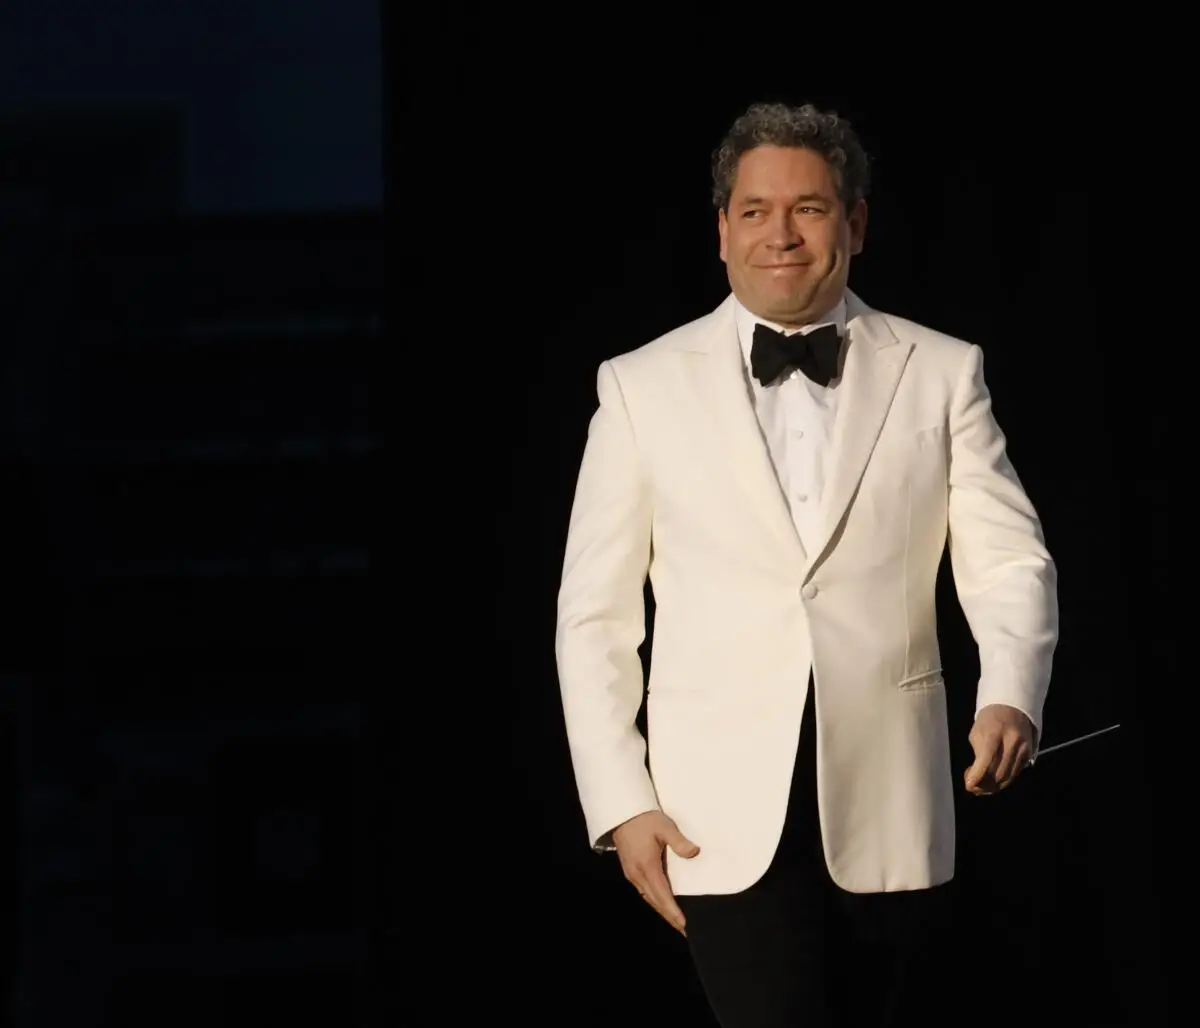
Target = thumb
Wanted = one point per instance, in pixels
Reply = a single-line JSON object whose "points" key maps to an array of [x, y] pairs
{"points": [[977, 771], [682, 845]]}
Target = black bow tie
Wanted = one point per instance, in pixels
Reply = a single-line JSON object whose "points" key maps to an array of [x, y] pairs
{"points": [[815, 353]]}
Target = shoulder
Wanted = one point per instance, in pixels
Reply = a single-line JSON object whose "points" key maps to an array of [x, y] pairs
{"points": [[695, 336], [933, 351], [927, 342]]}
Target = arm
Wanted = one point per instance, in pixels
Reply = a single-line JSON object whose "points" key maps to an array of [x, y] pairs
{"points": [[1005, 578], [602, 620]]}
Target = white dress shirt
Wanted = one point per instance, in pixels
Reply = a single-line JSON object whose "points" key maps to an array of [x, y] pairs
{"points": [[796, 417]]}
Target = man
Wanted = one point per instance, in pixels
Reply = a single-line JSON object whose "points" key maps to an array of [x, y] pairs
{"points": [[787, 470]]}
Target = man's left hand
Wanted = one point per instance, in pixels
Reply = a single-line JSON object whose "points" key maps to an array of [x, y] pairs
{"points": [[1002, 738]]}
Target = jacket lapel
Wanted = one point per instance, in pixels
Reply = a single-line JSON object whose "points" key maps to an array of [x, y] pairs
{"points": [[739, 433], [875, 360]]}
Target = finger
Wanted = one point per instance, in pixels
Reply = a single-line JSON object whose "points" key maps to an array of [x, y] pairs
{"points": [[658, 892], [985, 784], [1007, 766], [664, 899], [638, 881], [1020, 762], [986, 754], [648, 895], [643, 891]]}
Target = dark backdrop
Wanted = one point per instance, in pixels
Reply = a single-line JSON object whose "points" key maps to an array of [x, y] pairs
{"points": [[572, 222], [252, 779], [191, 281]]}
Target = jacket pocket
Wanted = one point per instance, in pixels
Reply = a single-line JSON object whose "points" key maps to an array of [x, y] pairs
{"points": [[931, 679]]}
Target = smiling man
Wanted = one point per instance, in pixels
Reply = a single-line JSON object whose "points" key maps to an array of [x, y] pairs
{"points": [[787, 470], [787, 234]]}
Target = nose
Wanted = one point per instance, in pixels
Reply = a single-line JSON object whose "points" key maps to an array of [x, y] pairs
{"points": [[785, 233]]}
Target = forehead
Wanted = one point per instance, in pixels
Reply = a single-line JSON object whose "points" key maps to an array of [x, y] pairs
{"points": [[778, 171]]}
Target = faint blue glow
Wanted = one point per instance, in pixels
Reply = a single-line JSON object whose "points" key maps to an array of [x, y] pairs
{"points": [[281, 102]]}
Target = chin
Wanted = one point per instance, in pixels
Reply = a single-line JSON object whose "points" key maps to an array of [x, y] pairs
{"points": [[800, 304]]}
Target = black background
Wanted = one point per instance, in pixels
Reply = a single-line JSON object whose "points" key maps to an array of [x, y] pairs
{"points": [[282, 719], [571, 222]]}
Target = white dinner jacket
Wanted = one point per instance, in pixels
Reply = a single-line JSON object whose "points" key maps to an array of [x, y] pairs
{"points": [[676, 483]]}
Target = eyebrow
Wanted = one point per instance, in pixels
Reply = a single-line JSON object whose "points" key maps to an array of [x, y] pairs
{"points": [[751, 201]]}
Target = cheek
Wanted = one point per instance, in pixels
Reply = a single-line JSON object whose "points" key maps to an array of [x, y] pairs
{"points": [[840, 244], [831, 258]]}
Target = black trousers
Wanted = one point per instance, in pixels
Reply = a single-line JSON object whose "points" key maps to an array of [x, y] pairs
{"points": [[796, 951]]}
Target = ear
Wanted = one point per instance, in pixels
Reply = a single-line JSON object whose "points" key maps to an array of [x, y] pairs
{"points": [[723, 232], [858, 227]]}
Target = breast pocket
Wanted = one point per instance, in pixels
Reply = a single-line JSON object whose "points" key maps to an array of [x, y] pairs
{"points": [[900, 507], [905, 462]]}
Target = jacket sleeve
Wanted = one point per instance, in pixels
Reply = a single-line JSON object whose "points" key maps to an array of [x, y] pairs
{"points": [[1004, 576], [601, 620]]}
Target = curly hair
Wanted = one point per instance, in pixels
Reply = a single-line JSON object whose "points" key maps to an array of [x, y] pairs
{"points": [[778, 124]]}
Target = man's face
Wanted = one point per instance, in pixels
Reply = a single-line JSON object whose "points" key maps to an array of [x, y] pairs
{"points": [[787, 239]]}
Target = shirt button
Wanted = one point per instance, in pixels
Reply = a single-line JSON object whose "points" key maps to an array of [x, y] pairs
{"points": [[809, 591], [802, 497]]}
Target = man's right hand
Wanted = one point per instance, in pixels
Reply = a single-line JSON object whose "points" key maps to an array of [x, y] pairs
{"points": [[641, 844]]}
